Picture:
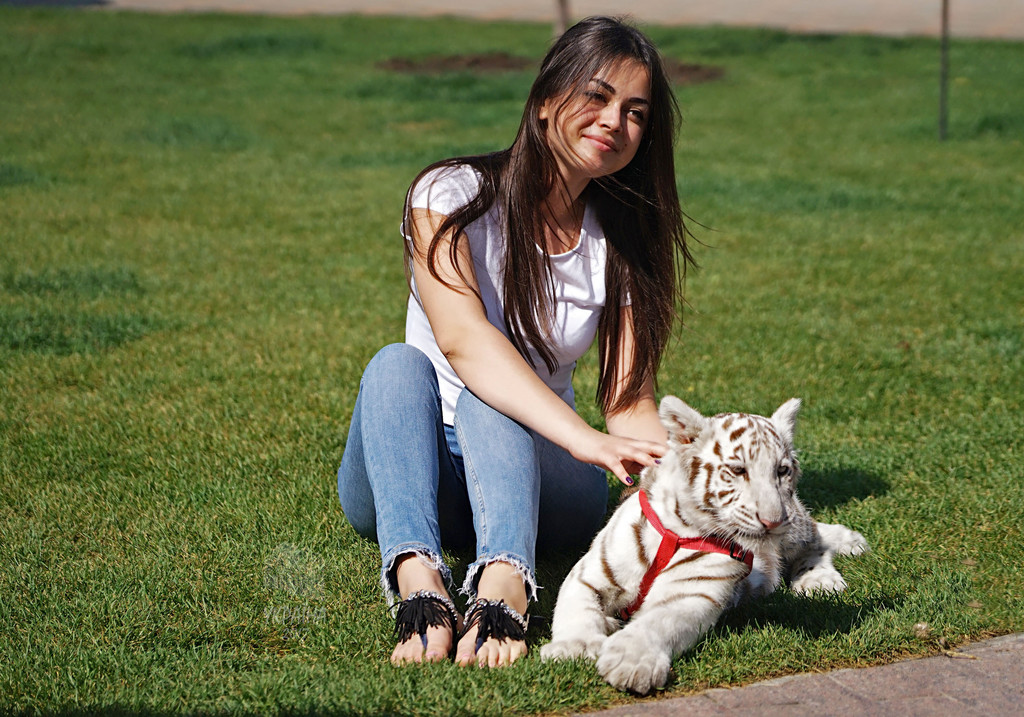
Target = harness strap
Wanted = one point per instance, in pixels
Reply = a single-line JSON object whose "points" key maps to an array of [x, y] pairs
{"points": [[670, 543]]}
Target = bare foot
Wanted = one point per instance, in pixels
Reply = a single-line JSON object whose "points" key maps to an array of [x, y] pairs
{"points": [[498, 581], [438, 645], [414, 575]]}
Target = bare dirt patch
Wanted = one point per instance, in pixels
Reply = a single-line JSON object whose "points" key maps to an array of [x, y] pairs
{"points": [[680, 73], [436, 64], [684, 73]]}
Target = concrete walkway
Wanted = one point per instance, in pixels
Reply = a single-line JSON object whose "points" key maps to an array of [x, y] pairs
{"points": [[968, 18], [986, 678]]}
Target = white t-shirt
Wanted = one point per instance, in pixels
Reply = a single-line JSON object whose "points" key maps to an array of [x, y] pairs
{"points": [[578, 279]]}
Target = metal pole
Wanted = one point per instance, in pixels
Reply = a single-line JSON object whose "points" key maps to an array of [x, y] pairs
{"points": [[944, 72], [561, 17]]}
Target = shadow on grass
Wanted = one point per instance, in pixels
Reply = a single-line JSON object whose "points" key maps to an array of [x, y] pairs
{"points": [[794, 623], [13, 175], [823, 490], [62, 333], [810, 616], [54, 311]]}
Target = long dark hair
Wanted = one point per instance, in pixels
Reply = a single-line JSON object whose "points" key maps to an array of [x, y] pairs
{"points": [[637, 207]]}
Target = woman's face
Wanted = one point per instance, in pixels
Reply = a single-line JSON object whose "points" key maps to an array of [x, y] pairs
{"points": [[598, 133]]}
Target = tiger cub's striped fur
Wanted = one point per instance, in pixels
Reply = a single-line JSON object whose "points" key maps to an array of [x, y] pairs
{"points": [[732, 476]]}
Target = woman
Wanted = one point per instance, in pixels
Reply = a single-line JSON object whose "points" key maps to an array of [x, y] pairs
{"points": [[517, 260]]}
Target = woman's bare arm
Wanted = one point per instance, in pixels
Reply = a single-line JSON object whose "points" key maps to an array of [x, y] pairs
{"points": [[639, 420], [487, 362]]}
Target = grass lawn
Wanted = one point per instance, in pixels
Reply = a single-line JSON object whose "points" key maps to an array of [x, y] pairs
{"points": [[199, 251]]}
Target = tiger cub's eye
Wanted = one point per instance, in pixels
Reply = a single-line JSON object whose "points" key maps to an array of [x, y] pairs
{"points": [[783, 471]]}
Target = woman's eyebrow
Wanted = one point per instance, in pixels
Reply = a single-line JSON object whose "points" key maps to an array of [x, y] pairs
{"points": [[634, 100]]}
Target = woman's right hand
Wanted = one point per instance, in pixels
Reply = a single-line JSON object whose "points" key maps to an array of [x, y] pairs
{"points": [[622, 456]]}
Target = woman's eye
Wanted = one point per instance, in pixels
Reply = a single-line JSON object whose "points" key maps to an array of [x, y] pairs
{"points": [[638, 115]]}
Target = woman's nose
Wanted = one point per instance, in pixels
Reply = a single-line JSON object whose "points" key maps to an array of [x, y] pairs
{"points": [[611, 116]]}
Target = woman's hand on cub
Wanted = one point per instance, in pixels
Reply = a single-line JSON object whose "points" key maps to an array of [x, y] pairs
{"points": [[622, 456]]}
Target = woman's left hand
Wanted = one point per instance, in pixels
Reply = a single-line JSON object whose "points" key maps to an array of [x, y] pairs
{"points": [[622, 456]]}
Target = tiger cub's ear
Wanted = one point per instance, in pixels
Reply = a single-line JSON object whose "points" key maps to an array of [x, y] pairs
{"points": [[784, 419], [682, 422]]}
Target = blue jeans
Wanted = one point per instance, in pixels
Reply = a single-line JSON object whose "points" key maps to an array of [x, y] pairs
{"points": [[413, 484]]}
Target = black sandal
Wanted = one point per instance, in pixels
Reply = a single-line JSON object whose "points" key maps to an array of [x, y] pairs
{"points": [[423, 609], [493, 618]]}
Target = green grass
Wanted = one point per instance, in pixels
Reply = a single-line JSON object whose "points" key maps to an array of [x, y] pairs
{"points": [[199, 251]]}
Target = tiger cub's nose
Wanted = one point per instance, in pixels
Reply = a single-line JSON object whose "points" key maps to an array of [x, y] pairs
{"points": [[769, 524]]}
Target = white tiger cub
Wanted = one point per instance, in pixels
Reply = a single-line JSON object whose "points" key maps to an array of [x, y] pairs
{"points": [[729, 483]]}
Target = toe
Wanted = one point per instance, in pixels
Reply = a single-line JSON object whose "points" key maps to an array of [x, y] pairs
{"points": [[466, 653], [494, 656], [434, 649], [439, 644], [407, 652], [495, 653]]}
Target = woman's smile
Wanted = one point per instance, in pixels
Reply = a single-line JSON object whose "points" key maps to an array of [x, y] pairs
{"points": [[598, 133], [605, 145]]}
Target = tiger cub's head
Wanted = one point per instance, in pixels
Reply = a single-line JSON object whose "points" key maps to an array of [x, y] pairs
{"points": [[733, 474]]}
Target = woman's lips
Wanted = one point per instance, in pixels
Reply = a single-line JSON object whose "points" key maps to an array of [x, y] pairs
{"points": [[605, 145]]}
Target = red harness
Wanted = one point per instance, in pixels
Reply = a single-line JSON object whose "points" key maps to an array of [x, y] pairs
{"points": [[670, 543]]}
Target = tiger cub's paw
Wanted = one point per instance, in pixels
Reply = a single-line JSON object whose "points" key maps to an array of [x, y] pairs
{"points": [[570, 649], [841, 540], [629, 664], [819, 580]]}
